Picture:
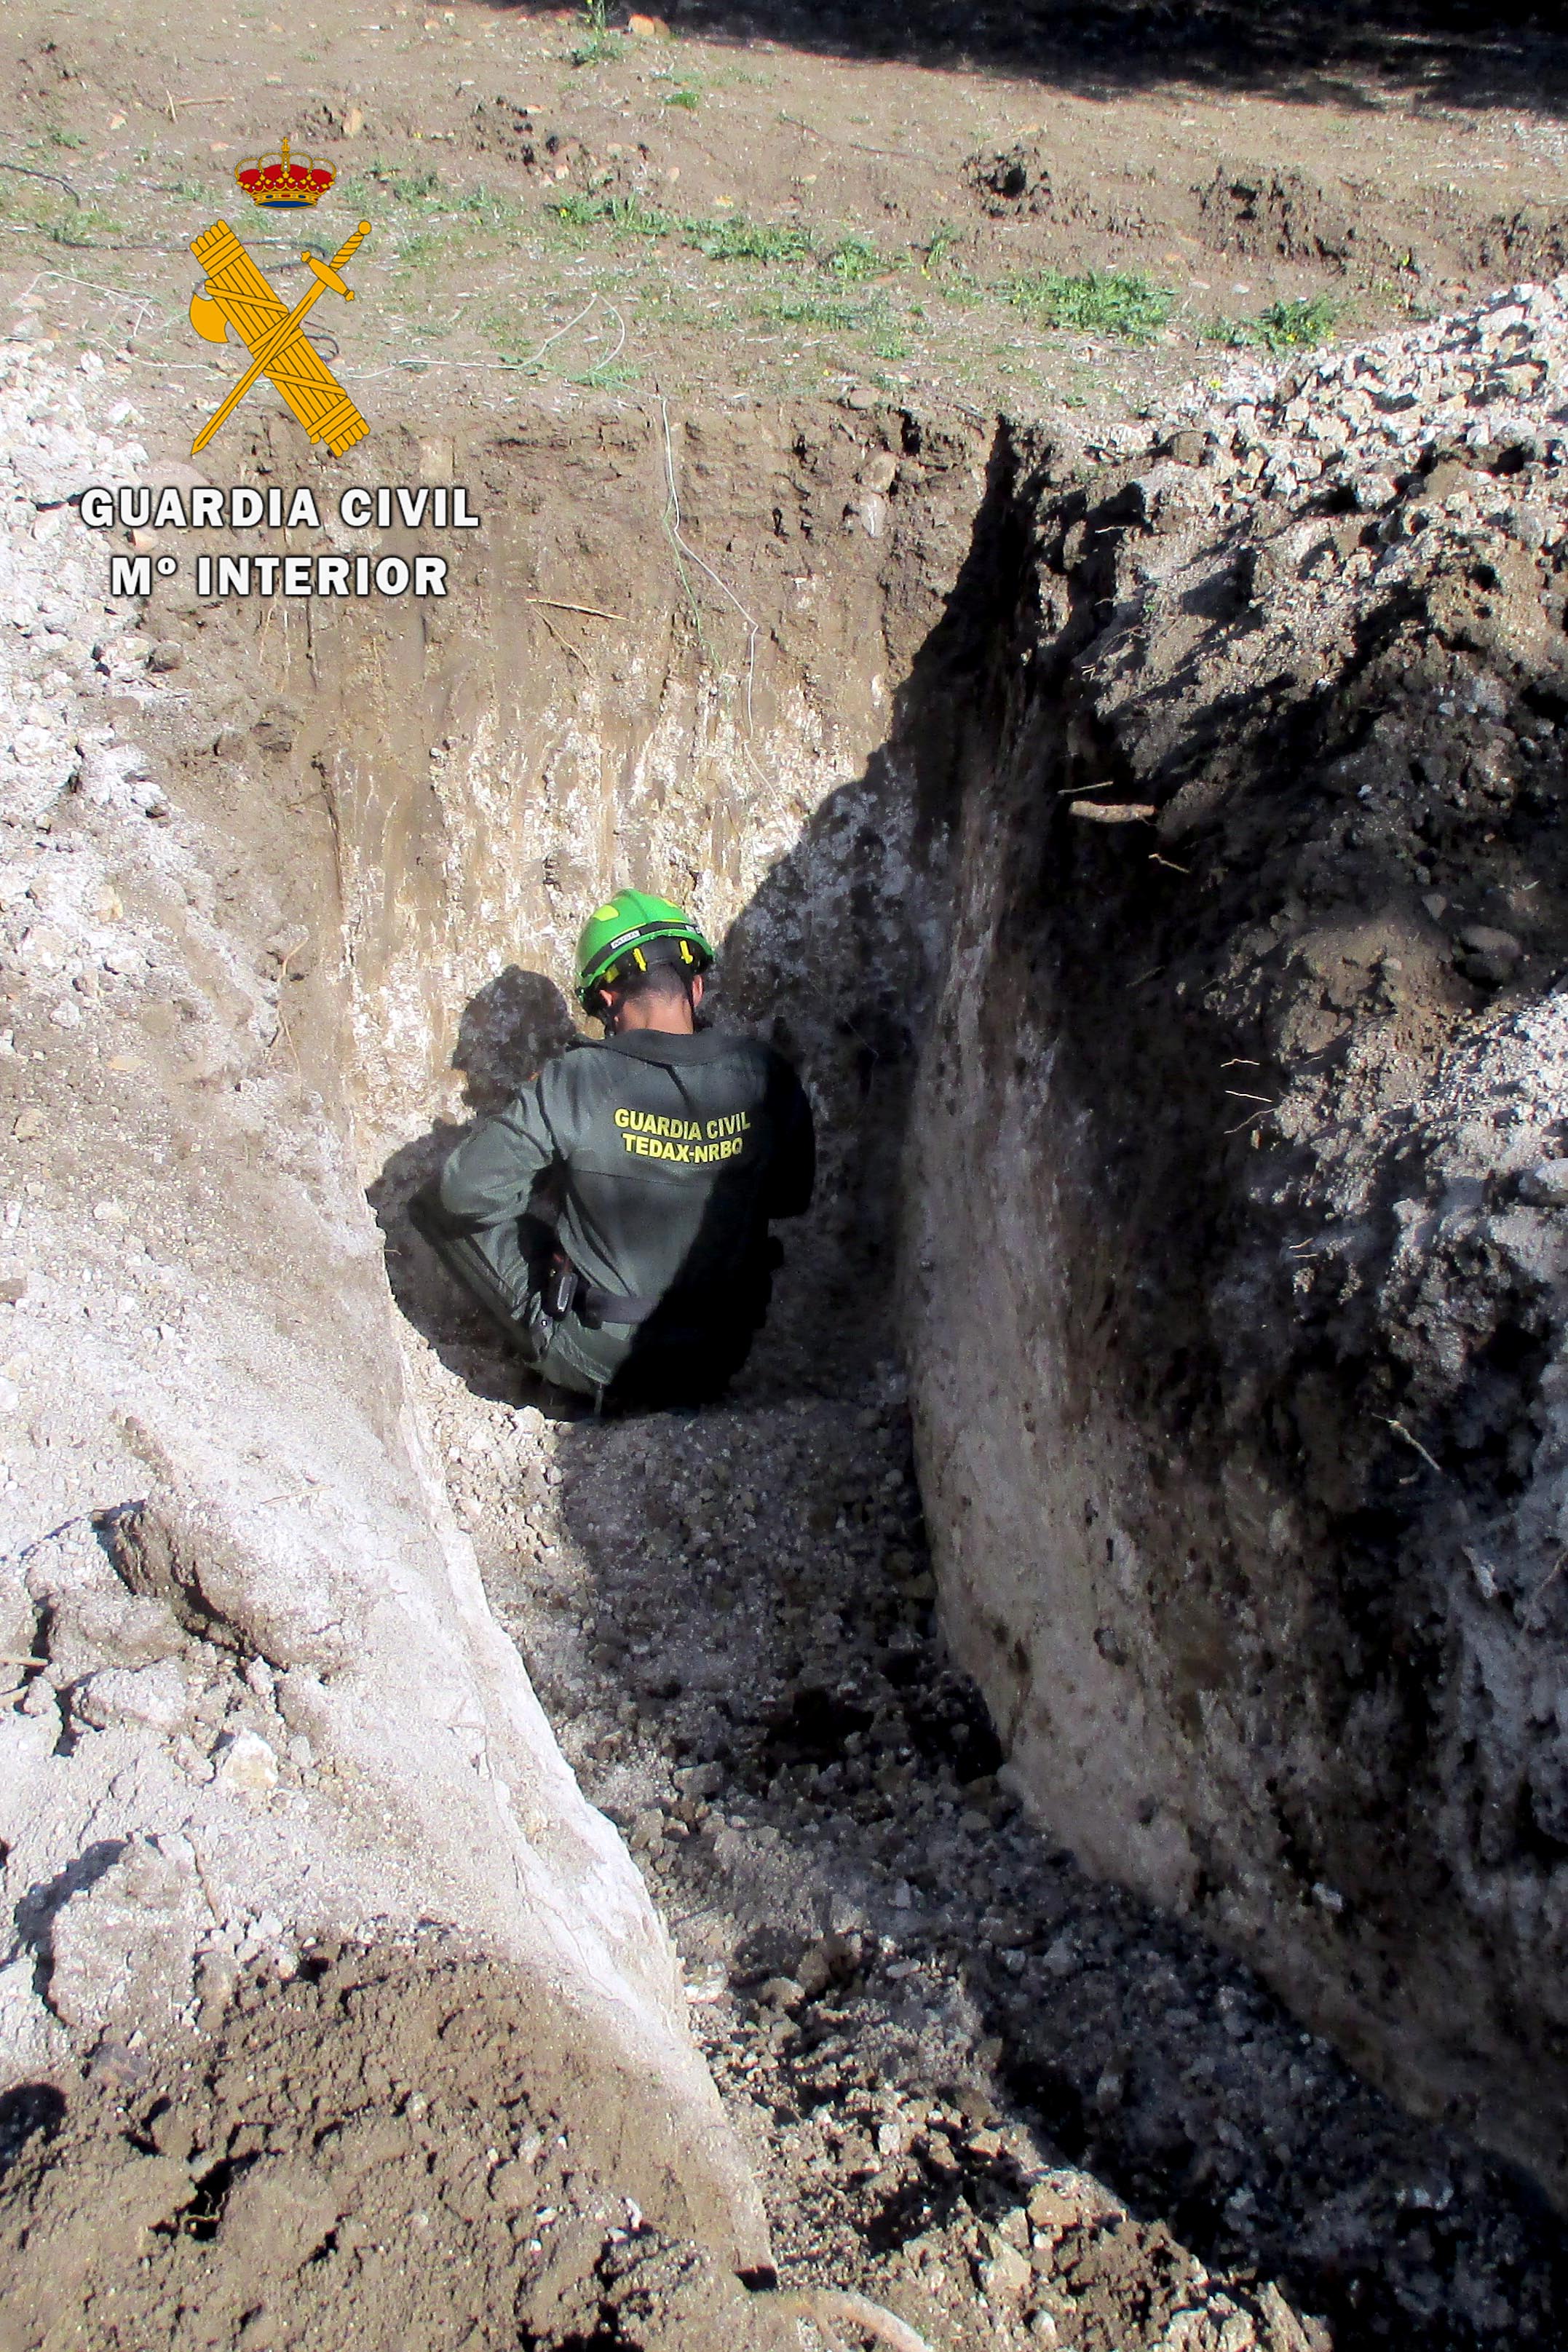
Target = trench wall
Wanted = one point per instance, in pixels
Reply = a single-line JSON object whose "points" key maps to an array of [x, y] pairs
{"points": [[1234, 1315]]}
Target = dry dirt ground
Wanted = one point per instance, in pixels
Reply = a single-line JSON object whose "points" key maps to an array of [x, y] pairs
{"points": [[787, 205], [1013, 2105]]}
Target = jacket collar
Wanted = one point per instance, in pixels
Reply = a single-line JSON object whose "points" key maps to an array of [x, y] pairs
{"points": [[670, 1046]]}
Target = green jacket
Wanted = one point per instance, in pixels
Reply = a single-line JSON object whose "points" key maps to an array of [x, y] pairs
{"points": [[667, 1155]]}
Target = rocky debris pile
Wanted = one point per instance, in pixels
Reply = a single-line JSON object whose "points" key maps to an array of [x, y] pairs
{"points": [[61, 634], [969, 2074], [1349, 422], [65, 644]]}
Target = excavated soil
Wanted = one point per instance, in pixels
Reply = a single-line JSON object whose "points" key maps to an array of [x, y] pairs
{"points": [[371, 2154], [1008, 2103]]}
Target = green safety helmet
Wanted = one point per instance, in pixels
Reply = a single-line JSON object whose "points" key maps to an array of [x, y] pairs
{"points": [[628, 933]]}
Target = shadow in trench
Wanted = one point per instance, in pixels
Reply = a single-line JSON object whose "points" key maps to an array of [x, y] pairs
{"points": [[1452, 53], [928, 2004]]}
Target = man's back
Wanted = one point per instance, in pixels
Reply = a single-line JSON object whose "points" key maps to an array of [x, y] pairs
{"points": [[670, 1153]]}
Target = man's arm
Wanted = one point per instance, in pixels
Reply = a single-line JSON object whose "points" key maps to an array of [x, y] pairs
{"points": [[489, 1177]]}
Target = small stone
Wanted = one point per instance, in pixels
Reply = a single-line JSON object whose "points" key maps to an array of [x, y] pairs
{"points": [[1491, 958], [1545, 1185], [812, 1972], [1483, 939], [28, 1125], [513, 2184], [782, 1992], [155, 1696], [215, 1978], [244, 1762], [1006, 2278]]}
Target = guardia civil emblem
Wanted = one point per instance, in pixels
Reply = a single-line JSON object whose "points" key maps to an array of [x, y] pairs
{"points": [[235, 294]]}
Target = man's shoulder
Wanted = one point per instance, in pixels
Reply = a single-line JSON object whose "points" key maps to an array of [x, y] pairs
{"points": [[569, 1071]]}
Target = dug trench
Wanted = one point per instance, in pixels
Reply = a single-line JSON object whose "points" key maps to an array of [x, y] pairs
{"points": [[1083, 1702]]}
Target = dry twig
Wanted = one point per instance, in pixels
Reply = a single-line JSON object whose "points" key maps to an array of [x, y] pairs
{"points": [[31, 171], [564, 643], [557, 605], [1400, 1431], [1552, 1572], [823, 2305]]}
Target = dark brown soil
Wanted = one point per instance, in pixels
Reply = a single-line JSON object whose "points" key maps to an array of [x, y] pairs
{"points": [[361, 2155]]}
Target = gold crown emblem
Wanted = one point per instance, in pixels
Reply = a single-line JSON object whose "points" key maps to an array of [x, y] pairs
{"points": [[282, 180]]}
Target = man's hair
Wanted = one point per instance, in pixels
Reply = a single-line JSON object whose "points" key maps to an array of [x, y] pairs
{"points": [[665, 980]]}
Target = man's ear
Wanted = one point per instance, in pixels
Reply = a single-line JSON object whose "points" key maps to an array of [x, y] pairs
{"points": [[696, 990]]}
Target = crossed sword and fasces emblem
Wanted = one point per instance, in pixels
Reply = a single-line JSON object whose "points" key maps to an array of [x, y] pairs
{"points": [[236, 295]]}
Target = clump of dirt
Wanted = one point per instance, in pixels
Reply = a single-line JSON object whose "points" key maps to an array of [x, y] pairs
{"points": [[360, 2157], [1281, 214]]}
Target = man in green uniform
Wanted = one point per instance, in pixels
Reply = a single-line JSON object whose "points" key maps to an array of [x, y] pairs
{"points": [[613, 1218]]}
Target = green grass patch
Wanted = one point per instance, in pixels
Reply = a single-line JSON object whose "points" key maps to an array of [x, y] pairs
{"points": [[405, 187], [685, 96], [59, 137], [812, 310], [599, 45], [934, 253], [853, 260], [1121, 303], [622, 215], [83, 225], [962, 290], [610, 375], [724, 237], [733, 237], [886, 339], [1301, 325]]}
